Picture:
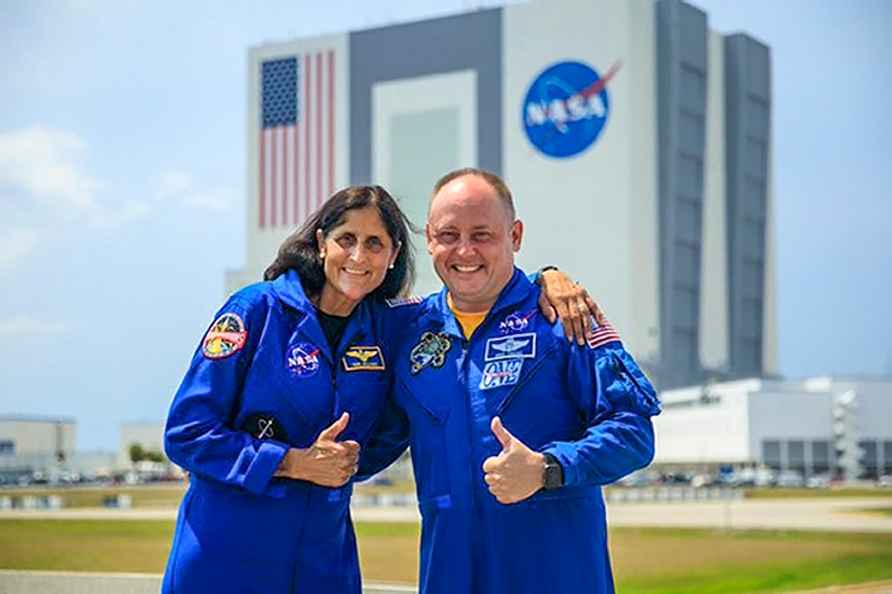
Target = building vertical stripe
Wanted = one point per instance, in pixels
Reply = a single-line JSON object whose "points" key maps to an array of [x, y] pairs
{"points": [[306, 120], [331, 121], [318, 197], [261, 178]]}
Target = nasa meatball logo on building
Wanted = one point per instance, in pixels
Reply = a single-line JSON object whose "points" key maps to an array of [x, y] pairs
{"points": [[566, 108]]}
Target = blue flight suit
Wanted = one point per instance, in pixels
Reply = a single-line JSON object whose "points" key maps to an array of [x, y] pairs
{"points": [[589, 406], [265, 379]]}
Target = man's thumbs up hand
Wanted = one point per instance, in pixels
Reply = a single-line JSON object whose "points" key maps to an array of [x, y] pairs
{"points": [[517, 472]]}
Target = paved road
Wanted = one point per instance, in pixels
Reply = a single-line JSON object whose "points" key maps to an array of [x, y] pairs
{"points": [[840, 514]]}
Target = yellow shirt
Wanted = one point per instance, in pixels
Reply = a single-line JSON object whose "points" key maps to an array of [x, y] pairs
{"points": [[468, 320]]}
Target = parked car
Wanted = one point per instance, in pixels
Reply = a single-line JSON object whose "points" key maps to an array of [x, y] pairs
{"points": [[818, 481], [789, 479]]}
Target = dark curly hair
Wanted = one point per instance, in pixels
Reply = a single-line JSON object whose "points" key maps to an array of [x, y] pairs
{"points": [[301, 252]]}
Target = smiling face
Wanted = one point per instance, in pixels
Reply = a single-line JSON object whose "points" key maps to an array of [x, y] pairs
{"points": [[472, 239], [356, 256]]}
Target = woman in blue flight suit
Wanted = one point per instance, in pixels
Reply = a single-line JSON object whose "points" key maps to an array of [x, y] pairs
{"points": [[285, 385]]}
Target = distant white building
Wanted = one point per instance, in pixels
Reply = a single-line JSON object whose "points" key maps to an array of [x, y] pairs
{"points": [[807, 426], [30, 443]]}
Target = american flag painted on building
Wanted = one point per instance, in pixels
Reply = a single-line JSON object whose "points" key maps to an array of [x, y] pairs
{"points": [[297, 137]]}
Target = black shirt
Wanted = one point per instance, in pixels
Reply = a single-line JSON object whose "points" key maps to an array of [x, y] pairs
{"points": [[333, 327]]}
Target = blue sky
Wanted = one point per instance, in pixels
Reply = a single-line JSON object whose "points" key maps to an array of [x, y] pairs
{"points": [[122, 164]]}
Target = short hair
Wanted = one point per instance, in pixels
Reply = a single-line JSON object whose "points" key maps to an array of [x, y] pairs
{"points": [[300, 250], [496, 182]]}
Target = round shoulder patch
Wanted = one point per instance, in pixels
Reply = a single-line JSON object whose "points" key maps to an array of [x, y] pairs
{"points": [[227, 335]]}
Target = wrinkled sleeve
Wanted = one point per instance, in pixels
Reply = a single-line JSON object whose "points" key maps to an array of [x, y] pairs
{"points": [[388, 441], [199, 435], [617, 401]]}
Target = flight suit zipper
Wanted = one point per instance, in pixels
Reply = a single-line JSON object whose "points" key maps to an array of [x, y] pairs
{"points": [[526, 379]]}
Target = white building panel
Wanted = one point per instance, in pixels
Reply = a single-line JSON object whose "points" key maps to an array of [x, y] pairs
{"points": [[714, 345], [704, 433], [593, 214], [787, 416], [406, 114]]}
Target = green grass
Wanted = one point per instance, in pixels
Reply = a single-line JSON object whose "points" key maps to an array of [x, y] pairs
{"points": [[653, 561], [885, 512], [681, 561]]}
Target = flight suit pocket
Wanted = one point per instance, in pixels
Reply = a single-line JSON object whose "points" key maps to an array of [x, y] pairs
{"points": [[645, 399], [235, 525], [428, 417]]}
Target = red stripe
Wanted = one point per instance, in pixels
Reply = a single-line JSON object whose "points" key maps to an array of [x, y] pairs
{"points": [[331, 122], [294, 214], [307, 134], [596, 343], [318, 198], [274, 157], [283, 198], [262, 177]]}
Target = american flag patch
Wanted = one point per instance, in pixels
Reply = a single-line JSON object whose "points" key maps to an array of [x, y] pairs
{"points": [[398, 301], [601, 334]]}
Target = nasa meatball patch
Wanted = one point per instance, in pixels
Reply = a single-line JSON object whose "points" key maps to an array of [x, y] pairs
{"points": [[227, 335]]}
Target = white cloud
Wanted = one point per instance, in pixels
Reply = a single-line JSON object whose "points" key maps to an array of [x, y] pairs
{"points": [[27, 327], [15, 244], [47, 164], [181, 187]]}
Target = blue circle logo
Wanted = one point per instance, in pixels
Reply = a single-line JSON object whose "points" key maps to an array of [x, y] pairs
{"points": [[566, 108], [303, 359]]}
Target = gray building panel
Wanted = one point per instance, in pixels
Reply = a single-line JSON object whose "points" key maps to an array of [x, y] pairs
{"points": [[747, 142], [470, 41], [682, 38]]}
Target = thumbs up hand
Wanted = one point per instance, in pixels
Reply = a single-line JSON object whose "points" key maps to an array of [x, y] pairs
{"points": [[326, 462], [517, 472]]}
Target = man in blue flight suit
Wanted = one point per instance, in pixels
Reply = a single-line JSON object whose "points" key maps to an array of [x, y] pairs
{"points": [[512, 429]]}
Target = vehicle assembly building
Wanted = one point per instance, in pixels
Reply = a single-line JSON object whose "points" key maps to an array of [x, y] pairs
{"points": [[637, 143]]}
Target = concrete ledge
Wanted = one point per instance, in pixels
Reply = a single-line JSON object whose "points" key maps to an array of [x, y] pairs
{"points": [[76, 582]]}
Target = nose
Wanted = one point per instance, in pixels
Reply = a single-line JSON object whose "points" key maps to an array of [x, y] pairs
{"points": [[357, 254], [464, 249]]}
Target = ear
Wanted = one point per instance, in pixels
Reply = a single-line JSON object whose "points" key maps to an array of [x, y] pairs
{"points": [[396, 253], [320, 241], [516, 234], [429, 235]]}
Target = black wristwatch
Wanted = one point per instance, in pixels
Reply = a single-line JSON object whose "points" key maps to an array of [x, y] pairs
{"points": [[552, 474]]}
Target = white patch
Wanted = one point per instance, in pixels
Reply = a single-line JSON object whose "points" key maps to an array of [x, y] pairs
{"points": [[501, 373], [511, 347]]}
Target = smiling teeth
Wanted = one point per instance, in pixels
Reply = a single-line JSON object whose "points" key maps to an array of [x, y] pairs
{"points": [[466, 268], [351, 271]]}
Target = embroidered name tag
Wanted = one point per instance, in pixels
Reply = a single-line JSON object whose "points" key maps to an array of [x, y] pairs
{"points": [[501, 373], [363, 358], [511, 347]]}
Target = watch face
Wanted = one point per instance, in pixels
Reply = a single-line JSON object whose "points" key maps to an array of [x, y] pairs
{"points": [[553, 475]]}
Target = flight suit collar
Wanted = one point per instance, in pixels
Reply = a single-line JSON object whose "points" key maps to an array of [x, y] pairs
{"points": [[290, 291], [515, 292]]}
